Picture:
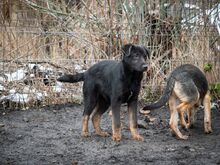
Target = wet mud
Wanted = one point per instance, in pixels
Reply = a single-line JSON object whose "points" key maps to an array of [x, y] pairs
{"points": [[51, 135]]}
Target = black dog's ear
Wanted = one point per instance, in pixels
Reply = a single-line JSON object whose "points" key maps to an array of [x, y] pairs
{"points": [[126, 49]]}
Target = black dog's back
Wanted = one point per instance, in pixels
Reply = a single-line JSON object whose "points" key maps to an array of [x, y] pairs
{"points": [[99, 71], [102, 71], [103, 76]]}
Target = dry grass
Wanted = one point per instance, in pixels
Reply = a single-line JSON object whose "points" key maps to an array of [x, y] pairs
{"points": [[61, 38]]}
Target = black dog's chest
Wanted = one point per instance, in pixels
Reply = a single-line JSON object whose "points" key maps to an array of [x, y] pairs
{"points": [[129, 91], [126, 96]]}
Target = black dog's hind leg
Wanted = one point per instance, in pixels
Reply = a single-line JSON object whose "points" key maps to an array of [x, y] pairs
{"points": [[90, 101], [116, 124], [101, 108], [132, 114]]}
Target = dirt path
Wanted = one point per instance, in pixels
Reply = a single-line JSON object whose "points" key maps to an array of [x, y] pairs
{"points": [[52, 136]]}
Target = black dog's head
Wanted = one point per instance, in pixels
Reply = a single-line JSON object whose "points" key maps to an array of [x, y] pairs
{"points": [[135, 56]]}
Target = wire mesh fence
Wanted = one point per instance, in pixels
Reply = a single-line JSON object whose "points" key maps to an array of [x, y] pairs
{"points": [[41, 40]]}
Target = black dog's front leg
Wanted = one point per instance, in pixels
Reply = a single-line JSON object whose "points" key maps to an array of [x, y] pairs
{"points": [[132, 114], [116, 124]]}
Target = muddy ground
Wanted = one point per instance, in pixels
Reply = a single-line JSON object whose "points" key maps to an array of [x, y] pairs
{"points": [[51, 135]]}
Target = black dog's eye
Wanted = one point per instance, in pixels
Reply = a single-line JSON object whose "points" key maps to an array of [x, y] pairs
{"points": [[136, 56]]}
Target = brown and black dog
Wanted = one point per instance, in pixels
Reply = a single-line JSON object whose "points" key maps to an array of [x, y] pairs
{"points": [[111, 83], [186, 90]]}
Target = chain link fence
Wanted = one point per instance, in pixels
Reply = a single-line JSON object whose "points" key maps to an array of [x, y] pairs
{"points": [[42, 39]]}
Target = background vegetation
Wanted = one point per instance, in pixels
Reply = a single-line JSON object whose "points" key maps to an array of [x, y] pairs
{"points": [[58, 36]]}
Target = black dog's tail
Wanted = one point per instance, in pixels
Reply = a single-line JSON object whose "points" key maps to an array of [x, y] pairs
{"points": [[166, 94], [72, 78]]}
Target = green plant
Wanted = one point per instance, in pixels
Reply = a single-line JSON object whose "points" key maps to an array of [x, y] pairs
{"points": [[215, 91], [208, 67]]}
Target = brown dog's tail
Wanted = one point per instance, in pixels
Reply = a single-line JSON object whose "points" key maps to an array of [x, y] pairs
{"points": [[71, 78], [166, 94]]}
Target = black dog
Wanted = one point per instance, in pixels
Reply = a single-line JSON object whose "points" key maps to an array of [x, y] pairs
{"points": [[112, 83]]}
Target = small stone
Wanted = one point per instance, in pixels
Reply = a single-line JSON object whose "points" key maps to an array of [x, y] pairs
{"points": [[74, 163], [2, 125], [147, 119], [25, 119], [144, 112], [171, 149], [152, 119], [19, 136], [142, 124], [192, 150], [24, 108]]}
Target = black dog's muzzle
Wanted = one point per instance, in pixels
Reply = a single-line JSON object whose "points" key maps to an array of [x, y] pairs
{"points": [[145, 67]]}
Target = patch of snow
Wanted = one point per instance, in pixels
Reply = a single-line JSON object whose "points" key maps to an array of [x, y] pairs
{"points": [[58, 87], [31, 66], [192, 21], [166, 4], [25, 97], [12, 91], [78, 67], [214, 16], [18, 75], [2, 88], [41, 68], [41, 96], [17, 98], [2, 98], [191, 6], [2, 79], [28, 89]]}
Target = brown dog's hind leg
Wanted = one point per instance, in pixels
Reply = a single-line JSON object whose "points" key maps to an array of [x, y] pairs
{"points": [[174, 117], [174, 126], [185, 108], [207, 114], [189, 118], [182, 119]]}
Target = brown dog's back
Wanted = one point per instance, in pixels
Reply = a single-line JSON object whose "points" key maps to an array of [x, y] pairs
{"points": [[188, 81], [186, 88]]}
